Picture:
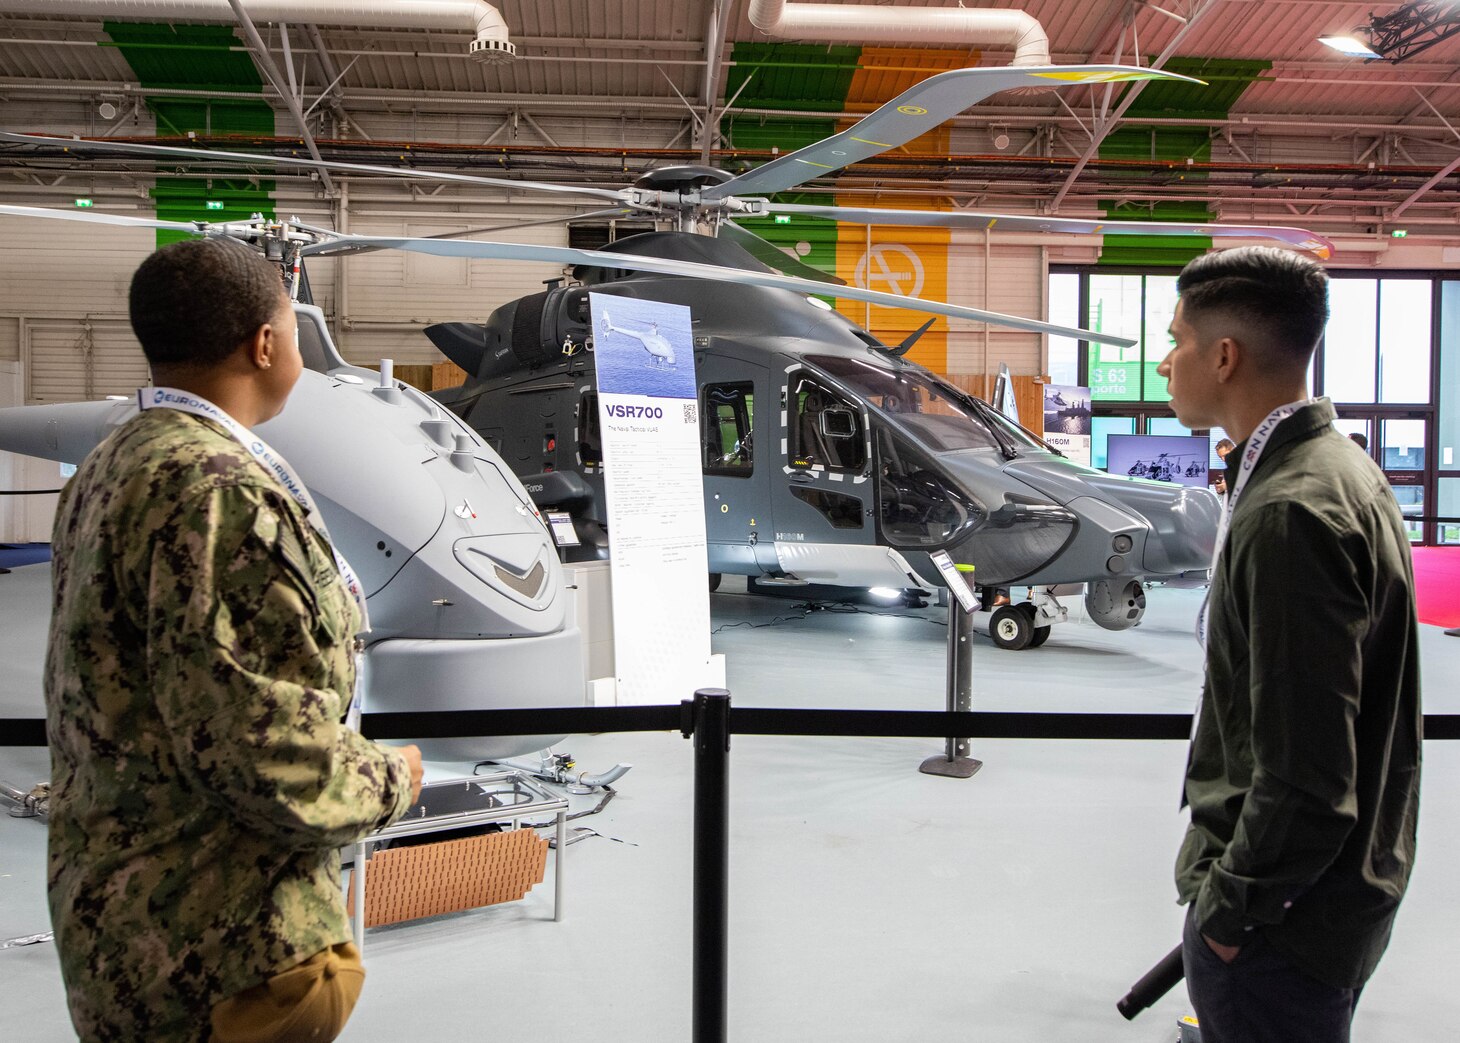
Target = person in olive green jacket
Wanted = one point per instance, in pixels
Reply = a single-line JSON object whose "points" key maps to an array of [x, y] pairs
{"points": [[1303, 776], [200, 662]]}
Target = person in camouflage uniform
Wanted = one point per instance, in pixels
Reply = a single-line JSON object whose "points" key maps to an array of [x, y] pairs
{"points": [[200, 663]]}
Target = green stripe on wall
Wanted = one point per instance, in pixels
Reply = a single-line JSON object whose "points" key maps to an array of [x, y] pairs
{"points": [[199, 58]]}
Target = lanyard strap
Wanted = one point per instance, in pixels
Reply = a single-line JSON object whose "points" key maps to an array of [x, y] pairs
{"points": [[1258, 441], [272, 462]]}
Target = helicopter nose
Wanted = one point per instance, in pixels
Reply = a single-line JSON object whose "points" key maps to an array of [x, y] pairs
{"points": [[1183, 523]]}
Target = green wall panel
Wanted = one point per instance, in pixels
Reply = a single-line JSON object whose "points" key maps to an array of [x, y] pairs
{"points": [[199, 58]]}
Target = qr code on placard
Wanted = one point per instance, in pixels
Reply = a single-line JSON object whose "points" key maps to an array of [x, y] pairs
{"points": [[691, 413]]}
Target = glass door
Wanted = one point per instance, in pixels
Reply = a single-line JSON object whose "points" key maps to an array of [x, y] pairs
{"points": [[1395, 439]]}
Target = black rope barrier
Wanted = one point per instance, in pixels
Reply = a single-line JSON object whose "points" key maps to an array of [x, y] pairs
{"points": [[905, 724], [29, 492]]}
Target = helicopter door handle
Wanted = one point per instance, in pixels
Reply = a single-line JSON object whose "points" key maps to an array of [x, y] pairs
{"points": [[803, 477]]}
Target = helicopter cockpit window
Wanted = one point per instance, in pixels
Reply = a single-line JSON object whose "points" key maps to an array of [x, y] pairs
{"points": [[932, 410], [918, 506], [590, 437], [826, 430], [727, 417]]}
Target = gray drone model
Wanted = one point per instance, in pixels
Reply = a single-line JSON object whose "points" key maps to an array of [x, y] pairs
{"points": [[828, 457]]}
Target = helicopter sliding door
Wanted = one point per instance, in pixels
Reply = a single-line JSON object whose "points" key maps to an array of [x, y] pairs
{"points": [[737, 515], [821, 495]]}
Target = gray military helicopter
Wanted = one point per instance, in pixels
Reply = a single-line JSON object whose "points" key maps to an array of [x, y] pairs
{"points": [[858, 463]]}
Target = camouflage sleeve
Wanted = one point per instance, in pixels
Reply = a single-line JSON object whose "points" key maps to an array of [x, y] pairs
{"points": [[249, 651]]}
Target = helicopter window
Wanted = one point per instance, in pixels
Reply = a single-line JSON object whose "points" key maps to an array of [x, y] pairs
{"points": [[590, 438], [918, 506], [843, 511], [825, 429], [727, 421], [933, 410]]}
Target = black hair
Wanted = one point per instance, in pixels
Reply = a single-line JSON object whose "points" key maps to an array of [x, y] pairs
{"points": [[1280, 297], [193, 303]]}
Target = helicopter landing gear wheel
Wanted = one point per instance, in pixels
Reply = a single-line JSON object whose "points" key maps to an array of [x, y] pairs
{"points": [[1011, 627], [1041, 633]]}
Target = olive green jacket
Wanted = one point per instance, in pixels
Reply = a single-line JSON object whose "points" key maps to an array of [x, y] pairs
{"points": [[199, 665], [1303, 777]]}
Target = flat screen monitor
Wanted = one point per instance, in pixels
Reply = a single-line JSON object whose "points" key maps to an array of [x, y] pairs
{"points": [[1180, 459]]}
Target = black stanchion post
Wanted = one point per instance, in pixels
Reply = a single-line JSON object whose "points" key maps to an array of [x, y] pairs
{"points": [[712, 862], [956, 763]]}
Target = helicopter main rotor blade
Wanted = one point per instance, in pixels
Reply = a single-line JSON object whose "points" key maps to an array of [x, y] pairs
{"points": [[481, 248], [197, 228], [769, 253], [341, 250], [403, 173], [912, 113], [1299, 237]]}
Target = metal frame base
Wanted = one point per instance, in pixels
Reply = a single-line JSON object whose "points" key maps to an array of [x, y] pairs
{"points": [[957, 768]]}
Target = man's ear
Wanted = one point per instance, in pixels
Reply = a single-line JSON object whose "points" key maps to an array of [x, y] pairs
{"points": [[1229, 357]]}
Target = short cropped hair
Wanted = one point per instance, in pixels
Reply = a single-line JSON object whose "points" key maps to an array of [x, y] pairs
{"points": [[1226, 444], [193, 303], [1280, 297]]}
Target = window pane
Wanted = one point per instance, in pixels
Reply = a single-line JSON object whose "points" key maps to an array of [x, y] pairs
{"points": [[1346, 426], [1404, 340], [1412, 505], [1101, 428], [1348, 342], [1404, 445], [1165, 425], [1064, 309], [1115, 307], [727, 419], [1449, 490], [1449, 418], [1160, 309]]}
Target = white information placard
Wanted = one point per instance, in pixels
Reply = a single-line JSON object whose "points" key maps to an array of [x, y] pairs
{"points": [[648, 410], [955, 579]]}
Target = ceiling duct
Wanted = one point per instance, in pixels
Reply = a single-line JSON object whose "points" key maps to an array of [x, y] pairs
{"points": [[931, 26], [490, 41]]}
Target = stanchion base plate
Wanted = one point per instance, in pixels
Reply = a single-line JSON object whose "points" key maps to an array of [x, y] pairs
{"points": [[957, 768], [1454, 632]]}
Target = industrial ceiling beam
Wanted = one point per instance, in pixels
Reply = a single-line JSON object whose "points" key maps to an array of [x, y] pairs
{"points": [[1132, 93], [270, 70]]}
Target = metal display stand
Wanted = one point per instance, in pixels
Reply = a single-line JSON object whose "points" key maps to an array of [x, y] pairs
{"points": [[504, 796], [955, 762]]}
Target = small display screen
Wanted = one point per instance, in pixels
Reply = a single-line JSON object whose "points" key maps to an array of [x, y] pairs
{"points": [[1179, 459]]}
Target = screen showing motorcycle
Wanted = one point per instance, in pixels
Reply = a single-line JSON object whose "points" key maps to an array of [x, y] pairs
{"points": [[1178, 459]]}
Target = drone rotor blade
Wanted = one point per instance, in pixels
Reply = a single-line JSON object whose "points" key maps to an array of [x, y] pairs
{"points": [[912, 113], [102, 219], [602, 259], [403, 173], [1299, 237], [769, 253]]}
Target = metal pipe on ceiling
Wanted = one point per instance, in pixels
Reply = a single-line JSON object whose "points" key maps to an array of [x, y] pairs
{"points": [[490, 41], [929, 25]]}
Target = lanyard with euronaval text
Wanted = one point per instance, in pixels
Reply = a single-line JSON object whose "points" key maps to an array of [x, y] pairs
{"points": [[276, 465], [1251, 453]]}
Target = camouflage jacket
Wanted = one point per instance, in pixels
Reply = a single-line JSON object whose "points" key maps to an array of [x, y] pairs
{"points": [[198, 670]]}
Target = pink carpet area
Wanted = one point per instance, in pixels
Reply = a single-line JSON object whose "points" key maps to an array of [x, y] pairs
{"points": [[1437, 585]]}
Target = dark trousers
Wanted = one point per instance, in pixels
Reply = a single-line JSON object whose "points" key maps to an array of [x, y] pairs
{"points": [[1260, 997]]}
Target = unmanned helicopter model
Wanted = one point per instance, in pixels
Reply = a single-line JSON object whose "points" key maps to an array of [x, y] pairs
{"points": [[828, 457]]}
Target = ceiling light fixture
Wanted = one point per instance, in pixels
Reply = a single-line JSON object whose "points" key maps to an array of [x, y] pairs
{"points": [[1349, 45]]}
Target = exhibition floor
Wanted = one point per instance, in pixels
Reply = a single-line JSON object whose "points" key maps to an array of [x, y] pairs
{"points": [[868, 902]]}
